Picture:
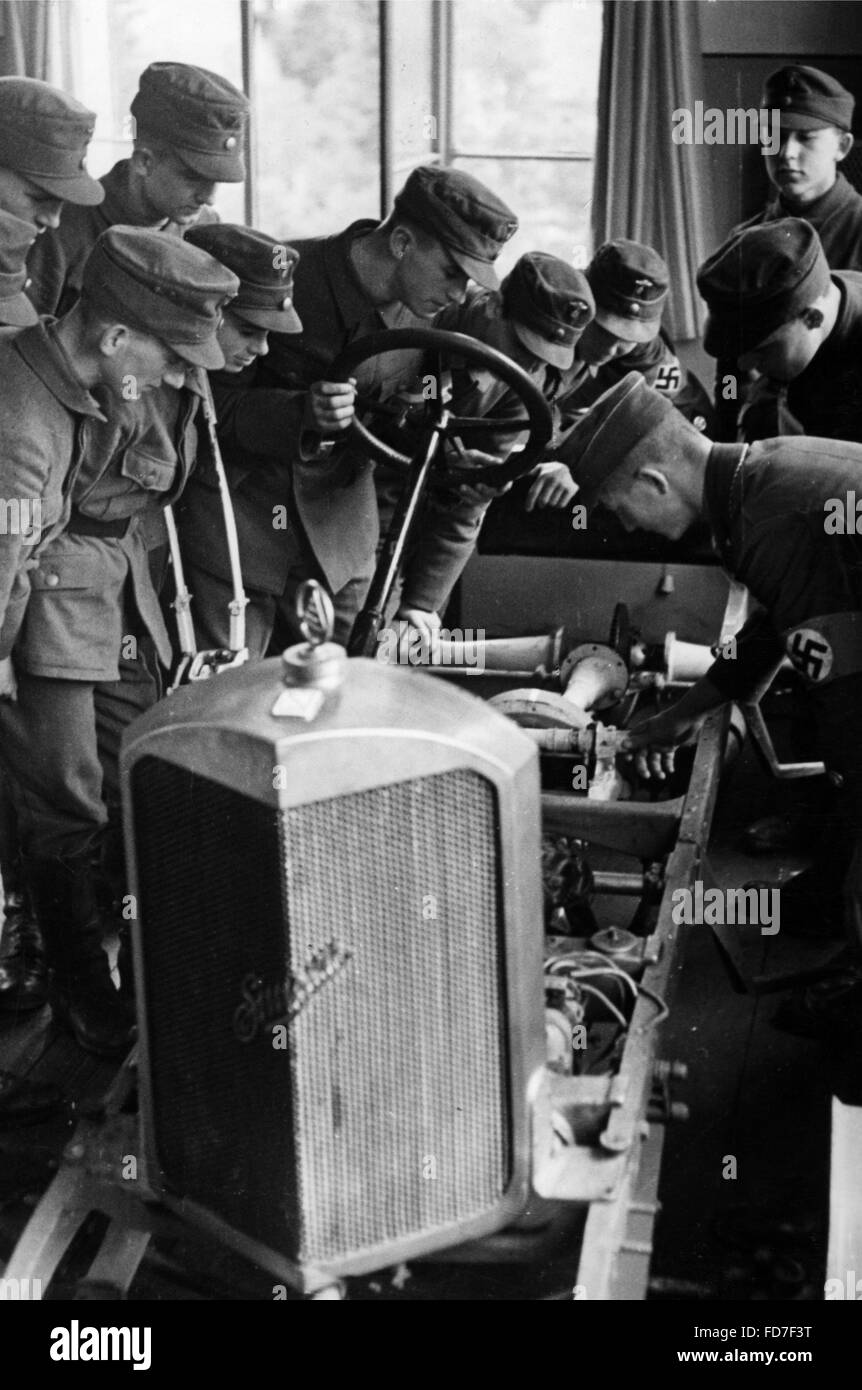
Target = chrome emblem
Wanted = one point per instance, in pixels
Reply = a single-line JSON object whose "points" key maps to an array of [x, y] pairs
{"points": [[313, 608]]}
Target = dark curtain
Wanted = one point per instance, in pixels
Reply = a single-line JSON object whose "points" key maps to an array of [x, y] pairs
{"points": [[646, 187]]}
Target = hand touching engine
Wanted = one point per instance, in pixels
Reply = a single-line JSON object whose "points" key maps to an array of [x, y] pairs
{"points": [[654, 742]]}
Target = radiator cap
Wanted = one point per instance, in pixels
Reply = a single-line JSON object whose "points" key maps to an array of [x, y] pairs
{"points": [[318, 661]]}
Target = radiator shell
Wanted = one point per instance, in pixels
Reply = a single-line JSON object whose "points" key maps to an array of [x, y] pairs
{"points": [[388, 848]]}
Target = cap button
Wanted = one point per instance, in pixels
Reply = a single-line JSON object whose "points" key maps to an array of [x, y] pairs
{"points": [[286, 302]]}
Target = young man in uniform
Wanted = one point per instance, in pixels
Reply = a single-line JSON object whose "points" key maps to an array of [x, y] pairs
{"points": [[188, 137], [630, 284], [44, 134], [305, 505], [766, 505], [775, 309], [815, 118], [775, 306], [75, 604], [536, 318], [250, 422]]}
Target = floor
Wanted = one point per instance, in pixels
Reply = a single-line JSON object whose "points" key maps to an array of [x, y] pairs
{"points": [[744, 1187]]}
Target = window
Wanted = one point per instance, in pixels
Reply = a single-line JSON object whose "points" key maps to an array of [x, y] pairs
{"points": [[349, 95], [316, 133], [107, 45], [507, 89], [523, 101]]}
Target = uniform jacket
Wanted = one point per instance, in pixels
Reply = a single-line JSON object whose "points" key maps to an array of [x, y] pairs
{"points": [[273, 462], [47, 420], [133, 462], [767, 518], [56, 260], [837, 220]]}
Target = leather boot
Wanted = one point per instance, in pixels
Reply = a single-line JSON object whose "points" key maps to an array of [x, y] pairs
{"points": [[23, 976], [81, 991]]}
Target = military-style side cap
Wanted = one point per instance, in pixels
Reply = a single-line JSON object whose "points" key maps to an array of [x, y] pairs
{"points": [[265, 268], [630, 282], [16, 238], [808, 99], [44, 134], [201, 115], [759, 279], [160, 285], [471, 221], [550, 304], [621, 420]]}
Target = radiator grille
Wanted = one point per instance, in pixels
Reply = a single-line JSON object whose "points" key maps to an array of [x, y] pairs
{"points": [[388, 1114]]}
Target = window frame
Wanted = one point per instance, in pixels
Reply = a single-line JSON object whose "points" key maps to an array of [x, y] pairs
{"points": [[443, 149]]}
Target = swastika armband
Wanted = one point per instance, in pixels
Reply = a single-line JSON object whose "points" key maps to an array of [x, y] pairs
{"points": [[668, 377], [825, 648]]}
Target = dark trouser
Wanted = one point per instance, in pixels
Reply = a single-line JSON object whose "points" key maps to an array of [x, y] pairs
{"points": [[270, 620], [60, 744]]}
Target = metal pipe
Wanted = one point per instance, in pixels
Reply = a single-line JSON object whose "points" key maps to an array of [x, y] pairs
{"points": [[387, 142], [246, 22], [363, 638], [608, 881]]}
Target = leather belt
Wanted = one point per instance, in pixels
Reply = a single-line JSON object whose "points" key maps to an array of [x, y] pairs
{"points": [[82, 525]]}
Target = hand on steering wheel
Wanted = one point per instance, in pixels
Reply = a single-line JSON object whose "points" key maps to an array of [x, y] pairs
{"points": [[437, 417]]}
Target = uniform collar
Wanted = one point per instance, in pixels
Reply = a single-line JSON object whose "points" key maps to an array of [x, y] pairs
{"points": [[45, 355], [722, 490], [817, 212], [115, 207]]}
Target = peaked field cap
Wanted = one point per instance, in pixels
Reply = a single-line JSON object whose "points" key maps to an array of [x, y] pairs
{"points": [[759, 279], [630, 282], [614, 426], [264, 267], [160, 285], [16, 238], [470, 221], [808, 99], [550, 304], [199, 114], [44, 134]]}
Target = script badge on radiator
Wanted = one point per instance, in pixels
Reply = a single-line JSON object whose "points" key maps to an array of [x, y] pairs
{"points": [[269, 1002]]}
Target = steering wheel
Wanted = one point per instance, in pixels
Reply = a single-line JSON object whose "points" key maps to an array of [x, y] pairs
{"points": [[437, 419]]}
